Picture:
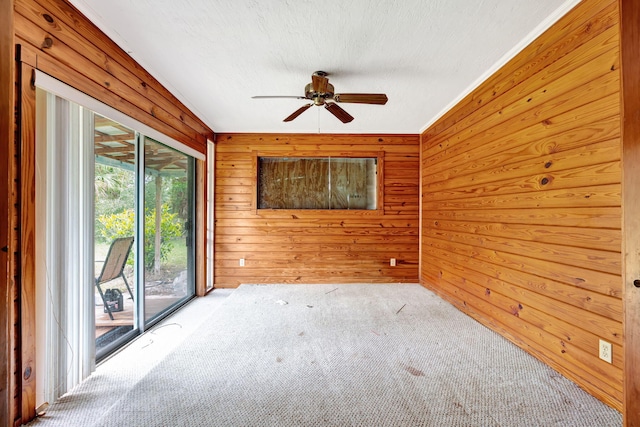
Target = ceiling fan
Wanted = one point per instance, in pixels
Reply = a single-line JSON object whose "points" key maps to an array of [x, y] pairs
{"points": [[321, 92]]}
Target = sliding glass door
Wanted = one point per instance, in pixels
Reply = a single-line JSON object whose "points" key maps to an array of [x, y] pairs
{"points": [[158, 208], [115, 247], [168, 229]]}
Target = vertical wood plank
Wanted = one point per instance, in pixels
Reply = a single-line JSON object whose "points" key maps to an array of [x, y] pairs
{"points": [[630, 54], [27, 241], [254, 182], [7, 105], [15, 255], [380, 179]]}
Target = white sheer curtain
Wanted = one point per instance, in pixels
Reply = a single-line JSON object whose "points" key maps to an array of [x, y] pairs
{"points": [[65, 208]]}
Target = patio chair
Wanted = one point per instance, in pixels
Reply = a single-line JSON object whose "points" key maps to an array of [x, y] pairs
{"points": [[113, 267]]}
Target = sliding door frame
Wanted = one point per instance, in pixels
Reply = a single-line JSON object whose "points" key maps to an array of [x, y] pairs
{"points": [[192, 223]]}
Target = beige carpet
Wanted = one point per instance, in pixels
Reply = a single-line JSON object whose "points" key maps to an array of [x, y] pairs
{"points": [[328, 355]]}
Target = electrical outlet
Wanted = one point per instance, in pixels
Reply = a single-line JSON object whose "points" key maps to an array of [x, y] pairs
{"points": [[392, 262], [605, 351], [241, 262]]}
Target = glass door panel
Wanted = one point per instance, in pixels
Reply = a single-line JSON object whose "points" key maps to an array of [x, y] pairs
{"points": [[115, 191], [168, 229]]}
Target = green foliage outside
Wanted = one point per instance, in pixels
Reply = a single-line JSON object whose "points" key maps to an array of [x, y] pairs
{"points": [[114, 193], [178, 196], [115, 190], [122, 225]]}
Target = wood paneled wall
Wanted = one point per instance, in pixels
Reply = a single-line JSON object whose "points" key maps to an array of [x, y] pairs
{"points": [[522, 200], [315, 246], [60, 41]]}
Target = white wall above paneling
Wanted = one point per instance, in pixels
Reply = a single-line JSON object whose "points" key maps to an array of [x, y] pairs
{"points": [[424, 54]]}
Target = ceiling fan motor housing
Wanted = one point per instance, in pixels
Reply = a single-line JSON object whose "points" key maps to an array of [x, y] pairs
{"points": [[318, 98]]}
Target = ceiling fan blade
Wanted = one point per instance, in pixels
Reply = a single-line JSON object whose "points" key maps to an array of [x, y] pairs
{"points": [[337, 111], [277, 96], [319, 83], [361, 98], [297, 112]]}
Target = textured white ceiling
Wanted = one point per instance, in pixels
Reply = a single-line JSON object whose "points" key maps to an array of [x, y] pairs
{"points": [[214, 55]]}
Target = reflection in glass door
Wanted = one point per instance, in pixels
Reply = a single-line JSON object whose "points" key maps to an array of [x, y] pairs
{"points": [[168, 229]]}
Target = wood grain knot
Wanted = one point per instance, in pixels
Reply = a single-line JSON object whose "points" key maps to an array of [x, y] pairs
{"points": [[48, 18], [47, 43]]}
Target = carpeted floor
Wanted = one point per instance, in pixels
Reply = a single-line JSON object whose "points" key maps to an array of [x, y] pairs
{"points": [[326, 355]]}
